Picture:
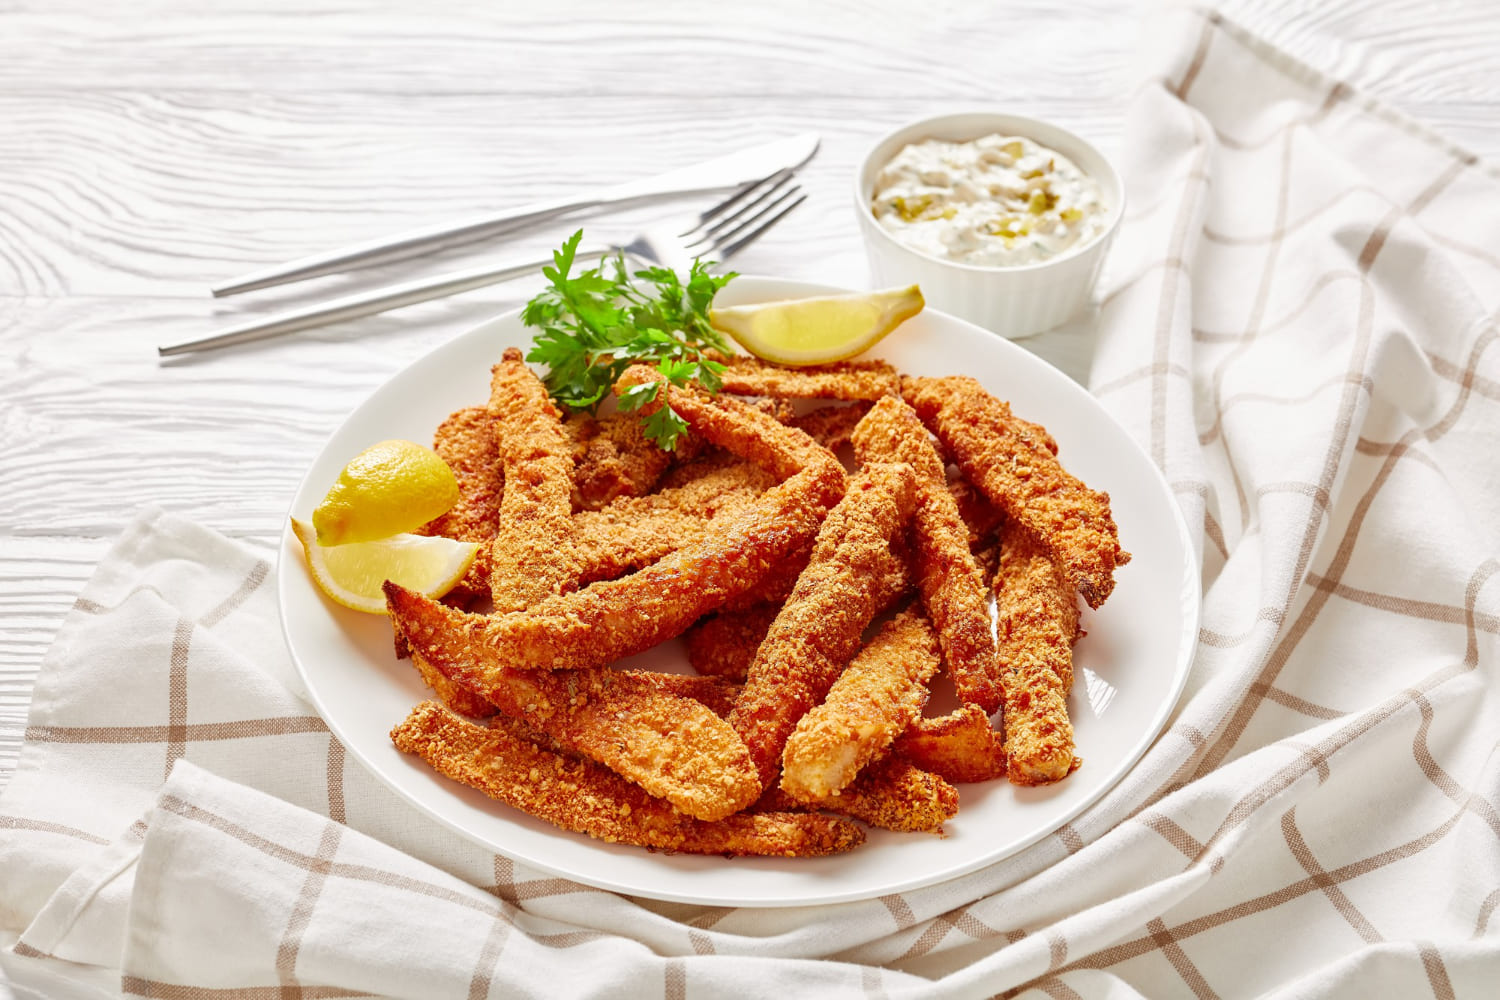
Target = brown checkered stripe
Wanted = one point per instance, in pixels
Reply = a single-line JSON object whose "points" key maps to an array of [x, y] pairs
{"points": [[175, 737], [321, 866], [178, 733]]}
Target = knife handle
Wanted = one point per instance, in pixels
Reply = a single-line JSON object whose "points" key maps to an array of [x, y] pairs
{"points": [[409, 244]]}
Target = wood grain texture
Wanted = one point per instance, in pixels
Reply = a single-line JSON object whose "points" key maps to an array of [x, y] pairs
{"points": [[145, 154]]}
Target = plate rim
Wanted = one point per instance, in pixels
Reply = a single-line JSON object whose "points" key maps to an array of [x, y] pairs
{"points": [[1190, 599]]}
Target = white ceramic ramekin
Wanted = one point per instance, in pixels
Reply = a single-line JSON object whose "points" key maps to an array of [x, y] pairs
{"points": [[1010, 301]]}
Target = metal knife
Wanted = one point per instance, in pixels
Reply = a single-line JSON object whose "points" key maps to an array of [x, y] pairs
{"points": [[720, 172]]}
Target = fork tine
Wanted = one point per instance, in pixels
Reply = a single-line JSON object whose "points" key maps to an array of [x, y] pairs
{"points": [[727, 247], [744, 214], [739, 196], [728, 229]]}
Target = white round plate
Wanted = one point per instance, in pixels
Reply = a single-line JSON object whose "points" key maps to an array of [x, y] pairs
{"points": [[1130, 667]]}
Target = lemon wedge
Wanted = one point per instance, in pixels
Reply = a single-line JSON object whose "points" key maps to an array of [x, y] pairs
{"points": [[387, 489], [818, 330], [352, 573]]}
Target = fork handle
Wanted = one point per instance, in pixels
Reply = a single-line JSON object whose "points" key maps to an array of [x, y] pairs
{"points": [[367, 304]]}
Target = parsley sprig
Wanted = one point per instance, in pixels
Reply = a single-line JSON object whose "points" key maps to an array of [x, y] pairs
{"points": [[595, 324]]}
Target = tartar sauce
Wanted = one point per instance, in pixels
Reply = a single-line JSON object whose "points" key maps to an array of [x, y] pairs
{"points": [[999, 201]]}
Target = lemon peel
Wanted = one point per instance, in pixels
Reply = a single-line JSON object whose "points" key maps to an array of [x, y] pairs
{"points": [[818, 330], [389, 488]]}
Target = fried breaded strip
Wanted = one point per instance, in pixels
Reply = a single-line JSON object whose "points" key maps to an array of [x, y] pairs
{"points": [[1038, 623], [709, 461], [714, 693], [953, 590], [674, 747], [893, 795], [632, 532], [612, 619], [831, 426], [452, 695], [736, 427], [877, 696], [725, 645], [1010, 461], [613, 458], [960, 746], [890, 794], [617, 618], [457, 697], [747, 376], [583, 797], [530, 560], [818, 630], [776, 586], [980, 517], [783, 411], [466, 441]]}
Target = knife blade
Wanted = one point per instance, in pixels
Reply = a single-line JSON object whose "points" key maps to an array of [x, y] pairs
{"points": [[721, 172]]}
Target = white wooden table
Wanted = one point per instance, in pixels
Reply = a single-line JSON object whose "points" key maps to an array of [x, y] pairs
{"points": [[145, 154]]}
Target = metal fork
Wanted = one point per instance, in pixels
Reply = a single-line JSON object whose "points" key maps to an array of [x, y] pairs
{"points": [[719, 233]]}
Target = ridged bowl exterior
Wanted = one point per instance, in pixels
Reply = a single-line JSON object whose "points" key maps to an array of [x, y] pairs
{"points": [[1009, 301]]}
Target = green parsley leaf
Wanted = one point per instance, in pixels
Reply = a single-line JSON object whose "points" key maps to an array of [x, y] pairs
{"points": [[665, 426], [594, 324], [638, 396]]}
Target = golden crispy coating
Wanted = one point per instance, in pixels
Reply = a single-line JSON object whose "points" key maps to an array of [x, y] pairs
{"points": [[890, 794], [960, 746], [1038, 623], [714, 693], [818, 630], [455, 696], [737, 427], [613, 458], [980, 517], [674, 747], [893, 795], [603, 546], [530, 560], [877, 696], [988, 559], [583, 797], [612, 619], [632, 532], [709, 460], [616, 618], [776, 586], [725, 645], [466, 441], [831, 426], [747, 376], [1011, 462], [783, 411], [953, 590]]}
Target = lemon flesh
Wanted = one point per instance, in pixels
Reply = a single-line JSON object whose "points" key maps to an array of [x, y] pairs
{"points": [[352, 573], [389, 488], [818, 330]]}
